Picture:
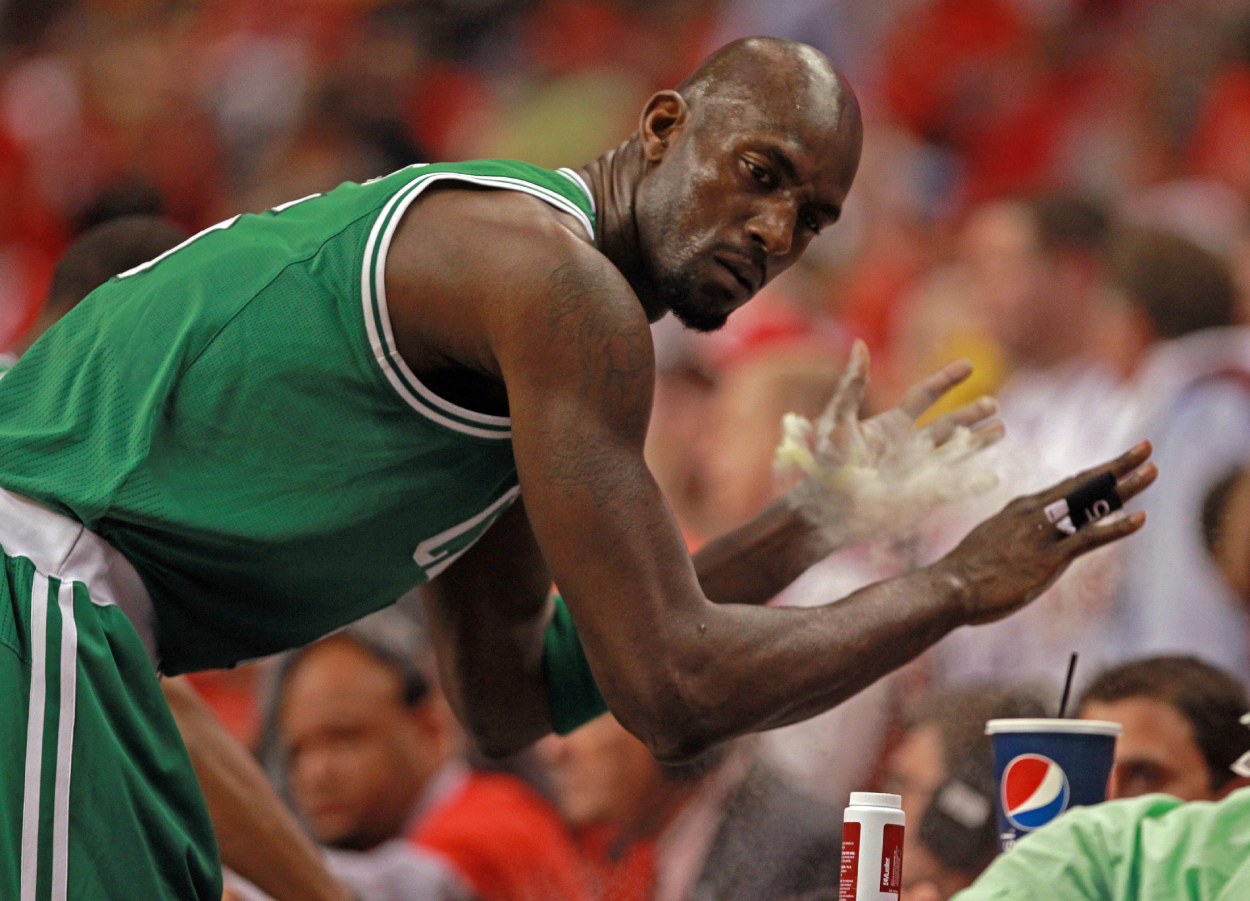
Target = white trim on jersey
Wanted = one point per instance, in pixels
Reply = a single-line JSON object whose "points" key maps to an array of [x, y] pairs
{"points": [[34, 735], [576, 177], [384, 312], [434, 563], [64, 548], [64, 742], [143, 267], [290, 203], [377, 313], [383, 342]]}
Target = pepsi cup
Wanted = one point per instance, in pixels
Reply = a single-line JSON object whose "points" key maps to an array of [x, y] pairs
{"points": [[1042, 767]]}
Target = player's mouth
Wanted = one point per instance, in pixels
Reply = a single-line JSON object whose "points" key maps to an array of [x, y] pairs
{"points": [[744, 273]]}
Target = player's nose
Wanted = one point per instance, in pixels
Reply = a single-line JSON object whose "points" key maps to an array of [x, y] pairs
{"points": [[772, 228]]}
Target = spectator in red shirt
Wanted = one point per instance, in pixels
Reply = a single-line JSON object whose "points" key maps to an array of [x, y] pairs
{"points": [[374, 755]]}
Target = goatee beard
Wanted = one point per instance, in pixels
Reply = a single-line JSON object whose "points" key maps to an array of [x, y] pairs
{"points": [[689, 313]]}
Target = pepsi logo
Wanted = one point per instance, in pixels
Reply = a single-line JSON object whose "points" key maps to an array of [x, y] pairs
{"points": [[1034, 791]]}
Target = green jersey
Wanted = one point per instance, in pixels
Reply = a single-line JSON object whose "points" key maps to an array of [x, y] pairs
{"points": [[234, 417]]}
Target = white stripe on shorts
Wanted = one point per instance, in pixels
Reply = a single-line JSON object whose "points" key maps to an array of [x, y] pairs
{"points": [[64, 742], [34, 734]]}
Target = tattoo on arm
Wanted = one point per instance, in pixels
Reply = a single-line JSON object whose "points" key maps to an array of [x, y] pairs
{"points": [[613, 370]]}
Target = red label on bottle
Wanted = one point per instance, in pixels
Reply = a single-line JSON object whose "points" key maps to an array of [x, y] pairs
{"points": [[891, 858], [850, 861]]}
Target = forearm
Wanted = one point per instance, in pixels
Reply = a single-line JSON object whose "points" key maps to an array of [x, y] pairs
{"points": [[258, 837], [755, 562], [747, 662], [756, 668]]}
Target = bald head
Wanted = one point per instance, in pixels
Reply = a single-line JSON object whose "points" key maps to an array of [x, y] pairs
{"points": [[788, 83]]}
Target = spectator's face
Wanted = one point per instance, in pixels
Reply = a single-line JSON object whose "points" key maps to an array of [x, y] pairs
{"points": [[359, 756], [745, 425], [999, 249], [916, 768], [1155, 753], [603, 775], [1031, 300]]}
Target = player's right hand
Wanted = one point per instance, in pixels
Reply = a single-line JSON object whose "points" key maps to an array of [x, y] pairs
{"points": [[1013, 557]]}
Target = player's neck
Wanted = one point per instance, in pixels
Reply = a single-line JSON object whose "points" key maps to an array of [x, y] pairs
{"points": [[613, 180]]}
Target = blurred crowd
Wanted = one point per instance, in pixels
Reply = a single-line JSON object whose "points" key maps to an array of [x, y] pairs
{"points": [[1058, 190]]}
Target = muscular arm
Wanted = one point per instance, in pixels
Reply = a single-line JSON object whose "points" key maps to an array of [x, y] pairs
{"points": [[570, 341], [487, 614], [258, 837], [490, 610], [678, 670]]}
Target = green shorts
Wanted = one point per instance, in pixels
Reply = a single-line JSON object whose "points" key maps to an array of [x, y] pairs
{"points": [[97, 796]]}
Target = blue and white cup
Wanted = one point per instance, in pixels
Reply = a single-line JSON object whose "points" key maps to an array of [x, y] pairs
{"points": [[1042, 767]]}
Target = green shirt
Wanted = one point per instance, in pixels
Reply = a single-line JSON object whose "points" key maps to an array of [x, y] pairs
{"points": [[234, 418], [1152, 848]]}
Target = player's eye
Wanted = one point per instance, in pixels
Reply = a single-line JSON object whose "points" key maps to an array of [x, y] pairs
{"points": [[759, 173]]}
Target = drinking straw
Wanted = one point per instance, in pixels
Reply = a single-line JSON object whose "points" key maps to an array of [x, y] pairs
{"points": [[1067, 685]]}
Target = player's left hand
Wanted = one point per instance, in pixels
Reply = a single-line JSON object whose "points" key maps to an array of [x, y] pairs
{"points": [[882, 436], [853, 468]]}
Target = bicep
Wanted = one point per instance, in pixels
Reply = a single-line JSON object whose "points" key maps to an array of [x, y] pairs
{"points": [[580, 378]]}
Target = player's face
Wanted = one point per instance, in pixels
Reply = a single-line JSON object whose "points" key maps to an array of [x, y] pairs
{"points": [[735, 203], [1156, 752]]}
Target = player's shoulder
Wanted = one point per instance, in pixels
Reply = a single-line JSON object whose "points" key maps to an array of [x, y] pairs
{"points": [[515, 246], [516, 226], [564, 295]]}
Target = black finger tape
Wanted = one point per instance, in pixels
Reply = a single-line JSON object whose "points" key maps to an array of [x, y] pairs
{"points": [[1092, 500]]}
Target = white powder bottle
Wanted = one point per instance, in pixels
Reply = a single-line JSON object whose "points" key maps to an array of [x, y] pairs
{"points": [[872, 848]]}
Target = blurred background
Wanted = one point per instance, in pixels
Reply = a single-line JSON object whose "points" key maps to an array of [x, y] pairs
{"points": [[1056, 189]]}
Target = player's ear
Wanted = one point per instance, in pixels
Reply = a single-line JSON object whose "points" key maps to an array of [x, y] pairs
{"points": [[665, 114]]}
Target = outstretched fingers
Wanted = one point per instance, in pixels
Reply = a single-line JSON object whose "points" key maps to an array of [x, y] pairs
{"points": [[1136, 482], [969, 416], [1121, 467], [987, 434], [929, 391], [849, 395], [1129, 460], [1103, 533], [1133, 476]]}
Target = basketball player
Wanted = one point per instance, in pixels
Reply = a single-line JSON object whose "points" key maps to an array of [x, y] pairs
{"points": [[258, 837], [294, 417]]}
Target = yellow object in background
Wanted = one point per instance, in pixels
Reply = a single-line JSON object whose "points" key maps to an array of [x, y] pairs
{"points": [[988, 373]]}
